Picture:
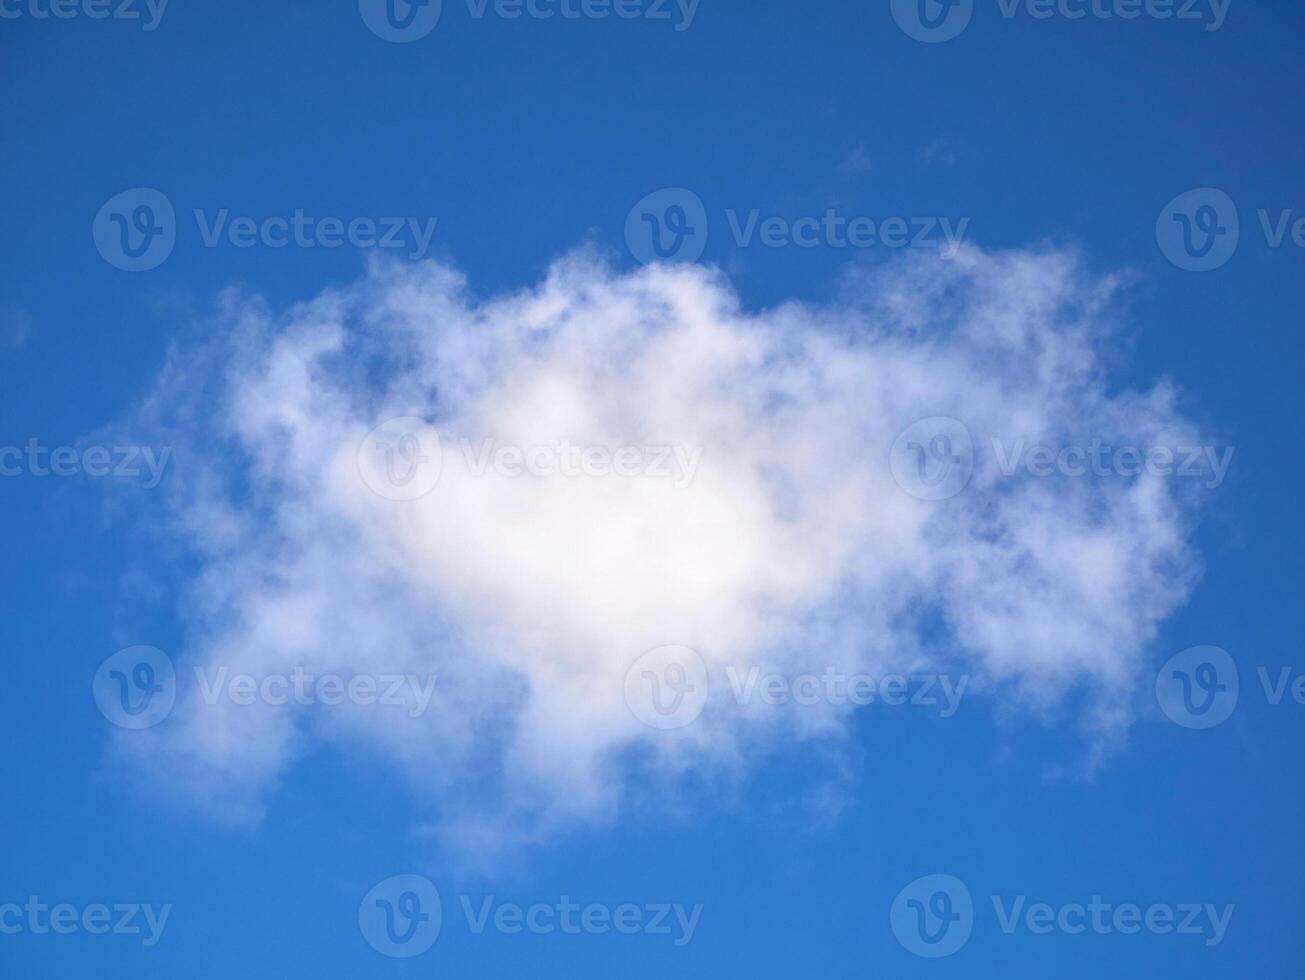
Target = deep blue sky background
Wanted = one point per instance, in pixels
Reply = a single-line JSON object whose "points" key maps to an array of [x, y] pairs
{"points": [[526, 138]]}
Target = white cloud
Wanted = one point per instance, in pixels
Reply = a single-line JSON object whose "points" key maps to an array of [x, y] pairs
{"points": [[793, 547]]}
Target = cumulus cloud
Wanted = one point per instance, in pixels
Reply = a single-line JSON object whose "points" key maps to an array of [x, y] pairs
{"points": [[776, 534]]}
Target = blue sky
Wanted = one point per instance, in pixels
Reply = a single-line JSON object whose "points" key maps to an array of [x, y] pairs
{"points": [[524, 139]]}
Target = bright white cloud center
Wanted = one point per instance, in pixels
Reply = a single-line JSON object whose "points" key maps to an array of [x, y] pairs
{"points": [[628, 461]]}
